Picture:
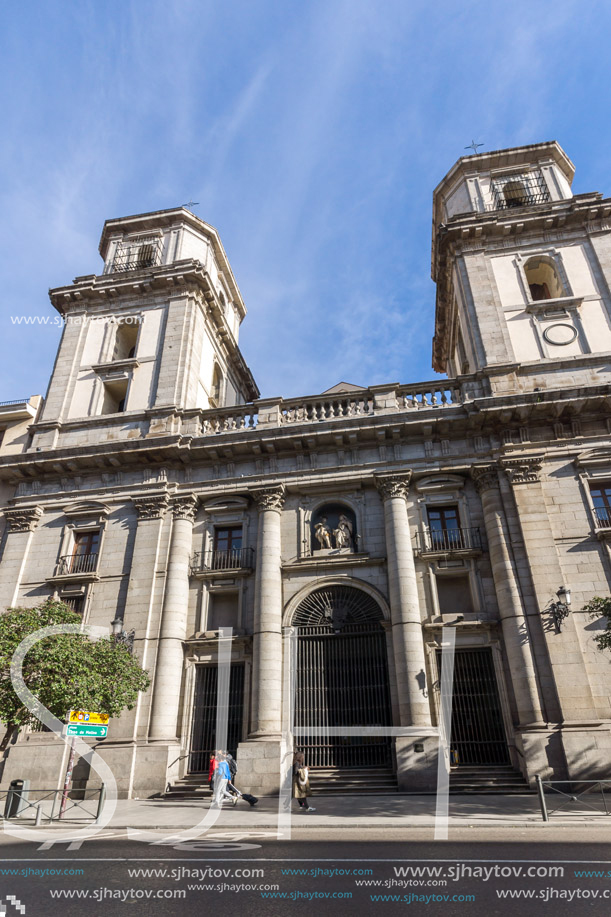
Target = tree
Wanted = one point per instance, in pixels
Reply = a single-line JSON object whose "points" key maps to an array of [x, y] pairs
{"points": [[64, 671], [599, 607]]}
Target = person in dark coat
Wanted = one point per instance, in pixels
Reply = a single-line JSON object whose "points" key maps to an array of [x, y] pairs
{"points": [[301, 782]]}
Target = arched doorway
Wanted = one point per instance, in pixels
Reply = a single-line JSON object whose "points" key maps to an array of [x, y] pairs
{"points": [[342, 678]]}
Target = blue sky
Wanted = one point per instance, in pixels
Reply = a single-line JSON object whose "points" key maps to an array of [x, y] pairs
{"points": [[311, 133]]}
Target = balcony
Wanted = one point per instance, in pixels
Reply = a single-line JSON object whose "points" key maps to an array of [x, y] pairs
{"points": [[449, 541], [603, 518], [238, 561], [137, 254], [77, 564]]}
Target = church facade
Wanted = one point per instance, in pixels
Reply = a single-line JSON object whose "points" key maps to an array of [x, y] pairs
{"points": [[337, 535]]}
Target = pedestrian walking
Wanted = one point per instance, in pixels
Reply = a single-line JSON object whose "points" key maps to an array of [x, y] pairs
{"points": [[222, 775], [211, 770], [301, 782]]}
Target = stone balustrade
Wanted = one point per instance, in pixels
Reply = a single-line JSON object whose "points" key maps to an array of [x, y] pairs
{"points": [[275, 412]]}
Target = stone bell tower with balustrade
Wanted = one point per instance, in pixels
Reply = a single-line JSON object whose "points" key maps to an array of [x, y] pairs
{"points": [[149, 341]]}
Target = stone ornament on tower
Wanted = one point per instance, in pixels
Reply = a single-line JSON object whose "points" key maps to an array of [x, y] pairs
{"points": [[523, 470], [153, 507], [185, 507], [393, 485], [485, 477], [23, 518], [270, 498]]}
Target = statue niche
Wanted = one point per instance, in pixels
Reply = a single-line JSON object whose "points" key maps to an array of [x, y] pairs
{"points": [[334, 529]]}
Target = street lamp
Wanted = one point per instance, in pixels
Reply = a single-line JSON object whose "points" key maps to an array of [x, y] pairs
{"points": [[561, 609], [119, 635]]}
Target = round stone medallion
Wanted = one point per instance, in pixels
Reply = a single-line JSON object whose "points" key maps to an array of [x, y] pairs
{"points": [[560, 333]]}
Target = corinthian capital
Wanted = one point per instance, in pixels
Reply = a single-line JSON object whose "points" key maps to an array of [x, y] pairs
{"points": [[393, 485], [485, 477], [269, 498], [185, 507], [152, 507], [524, 470], [23, 518]]}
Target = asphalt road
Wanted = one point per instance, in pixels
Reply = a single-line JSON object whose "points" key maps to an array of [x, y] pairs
{"points": [[246, 873]]}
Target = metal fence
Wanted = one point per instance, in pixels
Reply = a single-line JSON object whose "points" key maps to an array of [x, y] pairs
{"points": [[31, 801], [589, 794]]}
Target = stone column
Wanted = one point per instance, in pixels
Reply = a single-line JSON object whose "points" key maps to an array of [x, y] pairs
{"points": [[21, 522], [516, 636], [267, 639], [407, 639], [173, 630]]}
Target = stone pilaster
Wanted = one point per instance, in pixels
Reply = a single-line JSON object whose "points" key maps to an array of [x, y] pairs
{"points": [[406, 620], [570, 676], [21, 522], [516, 635], [267, 632], [173, 630]]}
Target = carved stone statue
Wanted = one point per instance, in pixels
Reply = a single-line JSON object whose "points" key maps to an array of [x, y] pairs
{"points": [[343, 532], [323, 533]]}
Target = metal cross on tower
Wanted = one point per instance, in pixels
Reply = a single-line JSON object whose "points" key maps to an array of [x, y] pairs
{"points": [[473, 146], [190, 204]]}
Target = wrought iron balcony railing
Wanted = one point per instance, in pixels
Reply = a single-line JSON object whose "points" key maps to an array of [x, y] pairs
{"points": [[448, 541], [137, 254], [239, 559], [603, 518], [77, 563]]}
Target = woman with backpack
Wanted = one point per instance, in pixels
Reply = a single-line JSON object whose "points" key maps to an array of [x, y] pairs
{"points": [[301, 782]]}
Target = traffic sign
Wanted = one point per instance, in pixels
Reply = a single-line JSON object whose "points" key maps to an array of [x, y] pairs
{"points": [[83, 729], [88, 717]]}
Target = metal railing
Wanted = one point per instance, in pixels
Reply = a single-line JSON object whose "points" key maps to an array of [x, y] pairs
{"points": [[25, 802], [519, 191], [603, 518], [448, 541], [77, 563], [137, 254], [4, 404], [239, 559], [572, 793]]}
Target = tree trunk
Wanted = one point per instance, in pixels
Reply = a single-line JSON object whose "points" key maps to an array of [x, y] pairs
{"points": [[11, 729]]}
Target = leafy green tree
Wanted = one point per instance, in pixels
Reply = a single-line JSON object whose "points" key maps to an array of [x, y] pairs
{"points": [[601, 608], [64, 671]]}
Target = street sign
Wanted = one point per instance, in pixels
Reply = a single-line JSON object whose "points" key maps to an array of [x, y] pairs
{"points": [[88, 717], [85, 730]]}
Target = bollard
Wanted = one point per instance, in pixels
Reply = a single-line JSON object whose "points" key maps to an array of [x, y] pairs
{"points": [[542, 802], [38, 816], [101, 802]]}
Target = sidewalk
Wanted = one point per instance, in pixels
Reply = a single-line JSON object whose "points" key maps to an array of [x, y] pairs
{"points": [[351, 812]]}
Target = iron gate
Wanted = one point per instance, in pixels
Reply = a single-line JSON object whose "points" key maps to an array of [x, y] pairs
{"points": [[342, 680], [478, 734], [203, 732]]}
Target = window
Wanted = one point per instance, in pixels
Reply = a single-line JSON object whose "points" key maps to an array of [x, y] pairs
{"points": [[444, 527], [509, 191], [543, 280], [125, 341], [83, 558], [217, 387], [515, 193], [137, 253], [601, 498], [76, 603], [227, 547], [115, 397]]}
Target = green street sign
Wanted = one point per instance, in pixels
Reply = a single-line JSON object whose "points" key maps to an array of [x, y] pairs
{"points": [[82, 729]]}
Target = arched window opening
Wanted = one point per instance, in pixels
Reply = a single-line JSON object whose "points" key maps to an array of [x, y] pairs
{"points": [[334, 529], [125, 341], [543, 280], [217, 387]]}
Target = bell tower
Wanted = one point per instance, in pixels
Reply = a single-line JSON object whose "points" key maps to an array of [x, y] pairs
{"points": [[523, 272], [150, 338]]}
